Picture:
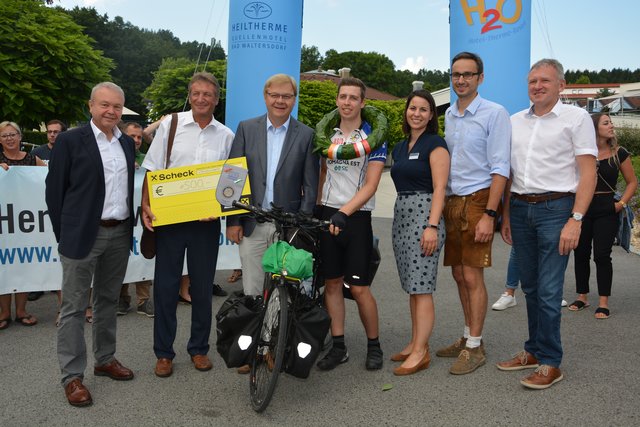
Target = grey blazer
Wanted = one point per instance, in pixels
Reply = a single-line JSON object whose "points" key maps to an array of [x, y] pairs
{"points": [[296, 182]]}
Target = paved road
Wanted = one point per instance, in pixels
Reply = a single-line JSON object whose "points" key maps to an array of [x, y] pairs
{"points": [[600, 366]]}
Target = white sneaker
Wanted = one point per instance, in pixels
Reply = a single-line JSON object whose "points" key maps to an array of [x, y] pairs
{"points": [[505, 301], [564, 303]]}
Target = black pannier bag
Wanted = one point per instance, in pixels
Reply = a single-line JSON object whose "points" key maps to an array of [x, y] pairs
{"points": [[238, 327], [306, 341]]}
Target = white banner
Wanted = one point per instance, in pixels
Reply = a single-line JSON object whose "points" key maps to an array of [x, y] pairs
{"points": [[28, 248]]}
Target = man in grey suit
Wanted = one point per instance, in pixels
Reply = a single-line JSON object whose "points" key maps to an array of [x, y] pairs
{"points": [[89, 193], [283, 170]]}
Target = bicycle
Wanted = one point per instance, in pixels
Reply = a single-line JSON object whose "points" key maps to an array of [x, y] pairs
{"points": [[282, 296]]}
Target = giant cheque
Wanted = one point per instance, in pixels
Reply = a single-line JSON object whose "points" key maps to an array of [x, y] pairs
{"points": [[189, 193]]}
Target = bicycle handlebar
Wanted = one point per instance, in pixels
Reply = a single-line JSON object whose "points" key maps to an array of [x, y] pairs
{"points": [[285, 219]]}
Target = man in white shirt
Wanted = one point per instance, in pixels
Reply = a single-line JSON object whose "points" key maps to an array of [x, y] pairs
{"points": [[553, 177], [89, 195], [199, 138]]}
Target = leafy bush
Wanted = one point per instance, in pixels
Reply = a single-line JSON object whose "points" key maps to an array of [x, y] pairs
{"points": [[629, 138]]}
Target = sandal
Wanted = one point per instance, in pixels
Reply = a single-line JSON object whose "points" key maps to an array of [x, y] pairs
{"points": [[235, 276], [58, 320], [4, 323], [578, 305], [604, 311], [28, 320], [89, 316]]}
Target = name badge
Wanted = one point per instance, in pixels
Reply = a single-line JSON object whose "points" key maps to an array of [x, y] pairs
{"points": [[414, 156]]}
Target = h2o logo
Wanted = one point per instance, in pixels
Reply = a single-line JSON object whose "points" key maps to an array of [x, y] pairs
{"points": [[495, 15]]}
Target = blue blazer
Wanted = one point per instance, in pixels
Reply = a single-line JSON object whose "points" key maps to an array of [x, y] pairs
{"points": [[75, 189], [296, 181]]}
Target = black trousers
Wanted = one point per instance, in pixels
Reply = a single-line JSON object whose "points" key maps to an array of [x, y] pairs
{"points": [[600, 225], [200, 240]]}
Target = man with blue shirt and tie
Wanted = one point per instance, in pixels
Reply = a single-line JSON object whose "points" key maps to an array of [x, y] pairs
{"points": [[478, 134]]}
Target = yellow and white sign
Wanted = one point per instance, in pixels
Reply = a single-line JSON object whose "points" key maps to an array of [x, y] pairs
{"points": [[189, 193]]}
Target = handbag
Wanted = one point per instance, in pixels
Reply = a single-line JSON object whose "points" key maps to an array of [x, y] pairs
{"points": [[148, 238], [238, 326], [305, 344], [625, 220]]}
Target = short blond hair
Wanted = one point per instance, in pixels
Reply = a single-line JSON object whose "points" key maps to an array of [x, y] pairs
{"points": [[277, 79]]}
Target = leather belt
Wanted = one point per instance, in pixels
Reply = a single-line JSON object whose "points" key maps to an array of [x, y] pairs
{"points": [[537, 198], [112, 222]]}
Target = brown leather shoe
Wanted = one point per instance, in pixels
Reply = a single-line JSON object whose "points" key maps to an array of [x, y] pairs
{"points": [[522, 360], [113, 370], [244, 369], [77, 394], [543, 377], [423, 364], [399, 357], [164, 367], [201, 362]]}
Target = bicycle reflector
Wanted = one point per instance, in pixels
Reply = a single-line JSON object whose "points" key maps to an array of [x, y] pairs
{"points": [[303, 349], [244, 342]]}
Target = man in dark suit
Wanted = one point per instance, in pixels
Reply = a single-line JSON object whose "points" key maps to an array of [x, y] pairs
{"points": [[283, 170], [89, 194]]}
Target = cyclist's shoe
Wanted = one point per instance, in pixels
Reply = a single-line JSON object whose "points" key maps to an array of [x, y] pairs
{"points": [[333, 358], [374, 358]]}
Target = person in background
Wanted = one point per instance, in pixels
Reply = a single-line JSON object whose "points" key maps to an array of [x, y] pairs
{"points": [[54, 127], [144, 303], [420, 171], [600, 223], [12, 155]]}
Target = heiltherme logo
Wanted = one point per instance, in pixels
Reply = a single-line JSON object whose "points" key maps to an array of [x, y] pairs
{"points": [[257, 10]]}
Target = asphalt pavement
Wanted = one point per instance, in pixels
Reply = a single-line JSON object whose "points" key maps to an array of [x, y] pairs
{"points": [[601, 385]]}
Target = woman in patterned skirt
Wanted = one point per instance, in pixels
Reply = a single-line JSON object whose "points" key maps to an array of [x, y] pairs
{"points": [[420, 172]]}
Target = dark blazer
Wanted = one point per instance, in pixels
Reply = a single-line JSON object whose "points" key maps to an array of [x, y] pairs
{"points": [[296, 182], [75, 189]]}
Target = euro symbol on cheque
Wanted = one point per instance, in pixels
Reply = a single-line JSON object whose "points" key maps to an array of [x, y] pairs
{"points": [[159, 190]]}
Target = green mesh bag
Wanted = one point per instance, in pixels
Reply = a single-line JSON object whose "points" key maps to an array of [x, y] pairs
{"points": [[297, 263]]}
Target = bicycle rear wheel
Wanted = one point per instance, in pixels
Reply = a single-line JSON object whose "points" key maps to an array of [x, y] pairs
{"points": [[267, 362]]}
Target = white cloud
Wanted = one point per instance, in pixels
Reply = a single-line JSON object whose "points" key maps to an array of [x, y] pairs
{"points": [[414, 64]]}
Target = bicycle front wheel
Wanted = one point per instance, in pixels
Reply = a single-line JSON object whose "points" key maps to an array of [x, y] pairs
{"points": [[267, 362]]}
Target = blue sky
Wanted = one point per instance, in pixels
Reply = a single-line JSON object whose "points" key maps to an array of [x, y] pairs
{"points": [[414, 34]]}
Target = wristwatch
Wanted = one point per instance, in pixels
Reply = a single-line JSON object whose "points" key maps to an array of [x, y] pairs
{"points": [[577, 216], [491, 213]]}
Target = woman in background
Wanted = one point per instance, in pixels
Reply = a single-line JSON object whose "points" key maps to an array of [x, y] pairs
{"points": [[600, 223], [11, 155]]}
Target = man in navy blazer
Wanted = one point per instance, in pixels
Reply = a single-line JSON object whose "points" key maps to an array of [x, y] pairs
{"points": [[283, 170], [89, 193]]}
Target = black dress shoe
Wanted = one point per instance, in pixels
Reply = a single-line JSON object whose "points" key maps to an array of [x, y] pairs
{"points": [[218, 291]]}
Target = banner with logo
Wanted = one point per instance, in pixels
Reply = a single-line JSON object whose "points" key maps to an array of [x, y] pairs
{"points": [[29, 258], [500, 32], [265, 38]]}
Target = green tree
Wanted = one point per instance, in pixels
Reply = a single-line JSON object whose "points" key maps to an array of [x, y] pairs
{"points": [[137, 52], [375, 69], [310, 58], [168, 90], [47, 65], [583, 80]]}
